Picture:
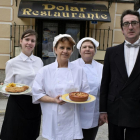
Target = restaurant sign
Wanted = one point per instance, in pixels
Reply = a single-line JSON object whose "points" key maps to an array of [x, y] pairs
{"points": [[57, 10]]}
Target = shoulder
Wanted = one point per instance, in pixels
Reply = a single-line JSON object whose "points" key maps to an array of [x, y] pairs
{"points": [[114, 48], [46, 68], [75, 61], [75, 66], [37, 58], [98, 64], [13, 60]]}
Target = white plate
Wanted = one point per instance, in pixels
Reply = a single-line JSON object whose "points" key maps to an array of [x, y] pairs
{"points": [[66, 98], [2, 89]]}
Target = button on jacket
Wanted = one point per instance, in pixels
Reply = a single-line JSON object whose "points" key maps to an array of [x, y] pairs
{"points": [[60, 122], [89, 113]]}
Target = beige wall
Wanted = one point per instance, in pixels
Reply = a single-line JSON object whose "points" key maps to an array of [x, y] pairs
{"points": [[3, 60], [4, 46], [9, 16]]}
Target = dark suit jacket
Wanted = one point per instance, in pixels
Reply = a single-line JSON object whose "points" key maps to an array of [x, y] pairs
{"points": [[120, 94]]}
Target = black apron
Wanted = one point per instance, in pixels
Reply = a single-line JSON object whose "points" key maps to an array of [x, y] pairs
{"points": [[22, 119]]}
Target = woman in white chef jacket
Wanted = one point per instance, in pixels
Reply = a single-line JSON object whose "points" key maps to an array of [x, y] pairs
{"points": [[89, 113], [60, 120]]}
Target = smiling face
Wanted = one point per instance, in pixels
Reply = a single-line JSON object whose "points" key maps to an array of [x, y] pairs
{"points": [[28, 44], [131, 33], [63, 51], [87, 51]]}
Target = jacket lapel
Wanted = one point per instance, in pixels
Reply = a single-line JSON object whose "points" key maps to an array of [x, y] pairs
{"points": [[120, 61], [135, 72]]}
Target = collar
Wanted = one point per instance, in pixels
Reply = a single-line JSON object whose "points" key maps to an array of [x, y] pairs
{"points": [[126, 42], [83, 64], [70, 65], [25, 57]]}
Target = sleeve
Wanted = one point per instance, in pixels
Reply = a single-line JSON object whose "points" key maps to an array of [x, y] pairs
{"points": [[85, 86], [105, 83], [38, 90], [9, 72]]}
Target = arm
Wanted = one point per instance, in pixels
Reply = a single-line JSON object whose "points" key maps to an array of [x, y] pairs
{"points": [[52, 100], [39, 93], [104, 90], [105, 84], [9, 73]]}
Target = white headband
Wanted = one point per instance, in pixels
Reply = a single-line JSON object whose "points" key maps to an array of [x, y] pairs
{"points": [[58, 37], [96, 43]]}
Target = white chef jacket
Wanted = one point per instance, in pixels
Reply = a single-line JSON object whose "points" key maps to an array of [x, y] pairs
{"points": [[60, 122], [89, 113], [22, 69]]}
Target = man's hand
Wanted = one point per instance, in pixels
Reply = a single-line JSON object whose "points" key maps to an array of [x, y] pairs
{"points": [[103, 118], [58, 101]]}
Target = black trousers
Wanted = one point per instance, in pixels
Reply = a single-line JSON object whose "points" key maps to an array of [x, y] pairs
{"points": [[90, 134], [123, 133]]}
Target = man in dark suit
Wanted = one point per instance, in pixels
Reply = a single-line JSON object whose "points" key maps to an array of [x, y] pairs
{"points": [[120, 86]]}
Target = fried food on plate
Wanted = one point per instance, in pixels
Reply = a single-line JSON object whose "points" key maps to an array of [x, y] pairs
{"points": [[11, 85], [16, 89]]}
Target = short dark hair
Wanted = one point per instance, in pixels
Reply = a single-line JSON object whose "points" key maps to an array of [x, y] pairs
{"points": [[129, 12], [29, 32]]}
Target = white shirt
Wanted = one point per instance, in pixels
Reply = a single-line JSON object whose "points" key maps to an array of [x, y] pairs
{"points": [[60, 122], [22, 69], [89, 113], [130, 54]]}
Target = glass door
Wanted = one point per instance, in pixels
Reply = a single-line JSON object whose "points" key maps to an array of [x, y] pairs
{"points": [[50, 30], [74, 31]]}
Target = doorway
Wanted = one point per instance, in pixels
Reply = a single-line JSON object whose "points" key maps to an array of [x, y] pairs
{"points": [[48, 29]]}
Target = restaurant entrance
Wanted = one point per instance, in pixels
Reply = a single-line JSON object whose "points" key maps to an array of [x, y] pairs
{"points": [[48, 29]]}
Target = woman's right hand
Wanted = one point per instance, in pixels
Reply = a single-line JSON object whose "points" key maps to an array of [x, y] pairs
{"points": [[58, 101], [1, 83]]}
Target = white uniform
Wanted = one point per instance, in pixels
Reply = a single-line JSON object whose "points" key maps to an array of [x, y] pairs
{"points": [[22, 69], [60, 122], [89, 113]]}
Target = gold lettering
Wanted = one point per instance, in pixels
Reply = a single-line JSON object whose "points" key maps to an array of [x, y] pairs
{"points": [[90, 16], [57, 14], [49, 13], [65, 14], [82, 9], [46, 6], [104, 16], [27, 11], [60, 8], [43, 13], [98, 17], [35, 13], [81, 15], [74, 9], [67, 8], [74, 14]]}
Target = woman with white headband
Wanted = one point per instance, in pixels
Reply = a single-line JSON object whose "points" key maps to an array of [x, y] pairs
{"points": [[89, 113], [60, 120]]}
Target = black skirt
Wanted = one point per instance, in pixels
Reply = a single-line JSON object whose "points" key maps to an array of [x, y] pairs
{"points": [[22, 119]]}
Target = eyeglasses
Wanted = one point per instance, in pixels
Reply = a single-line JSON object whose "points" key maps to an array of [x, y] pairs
{"points": [[133, 23]]}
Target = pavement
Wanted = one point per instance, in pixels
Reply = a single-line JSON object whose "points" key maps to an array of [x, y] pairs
{"points": [[101, 135]]}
